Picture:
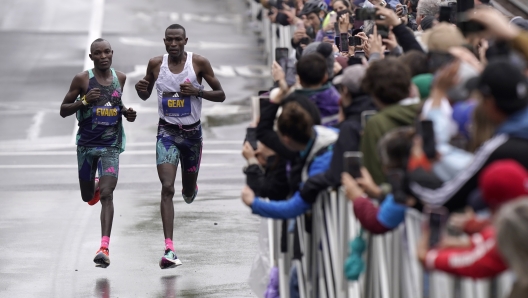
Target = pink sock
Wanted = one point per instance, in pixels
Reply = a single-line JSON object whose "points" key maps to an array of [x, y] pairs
{"points": [[169, 244], [105, 241]]}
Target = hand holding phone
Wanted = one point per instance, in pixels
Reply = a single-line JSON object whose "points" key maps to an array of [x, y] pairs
{"points": [[251, 137], [352, 163], [436, 222], [396, 179], [426, 131], [343, 42], [365, 116]]}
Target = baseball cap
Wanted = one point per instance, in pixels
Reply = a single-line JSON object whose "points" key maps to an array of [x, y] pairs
{"points": [[506, 83], [442, 37], [423, 82], [351, 78], [503, 181], [520, 22], [427, 22]]}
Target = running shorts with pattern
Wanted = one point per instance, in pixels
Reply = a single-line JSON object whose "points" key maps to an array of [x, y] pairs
{"points": [[88, 161], [177, 143]]}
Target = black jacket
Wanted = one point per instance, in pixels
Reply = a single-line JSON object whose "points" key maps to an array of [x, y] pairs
{"points": [[406, 39], [270, 182]]}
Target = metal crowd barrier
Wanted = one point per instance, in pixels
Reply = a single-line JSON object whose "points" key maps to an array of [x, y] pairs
{"points": [[274, 35], [392, 268]]}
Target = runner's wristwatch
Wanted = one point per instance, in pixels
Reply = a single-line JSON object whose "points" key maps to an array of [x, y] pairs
{"points": [[83, 100], [200, 91]]}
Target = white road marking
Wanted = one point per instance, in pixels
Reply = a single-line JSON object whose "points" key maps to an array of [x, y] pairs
{"points": [[130, 152], [123, 166], [226, 71], [53, 145], [94, 31], [139, 70], [218, 19], [34, 129], [143, 42]]}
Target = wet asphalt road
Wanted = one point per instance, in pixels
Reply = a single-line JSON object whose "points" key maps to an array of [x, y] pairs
{"points": [[48, 236]]}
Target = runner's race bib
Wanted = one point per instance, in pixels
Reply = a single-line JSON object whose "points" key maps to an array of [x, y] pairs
{"points": [[174, 105], [105, 115]]}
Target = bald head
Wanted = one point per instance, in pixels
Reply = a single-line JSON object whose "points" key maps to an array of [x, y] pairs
{"points": [[97, 42]]}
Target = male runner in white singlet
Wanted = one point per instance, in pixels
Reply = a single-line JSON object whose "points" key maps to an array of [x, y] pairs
{"points": [[177, 77]]}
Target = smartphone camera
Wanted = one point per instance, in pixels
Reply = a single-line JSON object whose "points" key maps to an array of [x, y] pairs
{"points": [[396, 179], [251, 137], [428, 138], [352, 163], [365, 14]]}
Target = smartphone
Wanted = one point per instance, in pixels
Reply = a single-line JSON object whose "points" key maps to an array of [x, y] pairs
{"points": [[445, 14], [281, 54], [357, 41], [436, 220], [354, 61], [364, 14], [428, 138], [396, 179], [365, 116], [300, 25], [337, 41], [344, 42], [405, 10], [352, 163], [350, 16], [330, 34], [305, 40], [383, 31], [333, 17], [251, 137], [359, 54]]}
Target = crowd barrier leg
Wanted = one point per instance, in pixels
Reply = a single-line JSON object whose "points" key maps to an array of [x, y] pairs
{"points": [[504, 284]]}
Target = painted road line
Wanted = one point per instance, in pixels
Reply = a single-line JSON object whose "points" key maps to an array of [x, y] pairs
{"points": [[33, 147], [131, 152], [94, 31], [225, 71], [33, 131], [121, 166], [202, 45]]}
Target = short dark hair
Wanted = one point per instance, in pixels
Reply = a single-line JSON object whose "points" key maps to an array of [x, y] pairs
{"points": [[416, 61], [295, 123], [395, 147], [96, 41], [177, 26], [312, 68], [388, 80], [345, 3]]}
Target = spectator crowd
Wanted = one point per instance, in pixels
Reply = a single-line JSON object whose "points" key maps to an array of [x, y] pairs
{"points": [[404, 104]]}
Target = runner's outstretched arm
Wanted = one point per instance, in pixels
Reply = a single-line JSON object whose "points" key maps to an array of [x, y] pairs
{"points": [[69, 105], [144, 86]]}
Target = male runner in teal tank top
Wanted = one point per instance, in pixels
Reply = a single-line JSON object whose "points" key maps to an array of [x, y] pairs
{"points": [[177, 77], [95, 97]]}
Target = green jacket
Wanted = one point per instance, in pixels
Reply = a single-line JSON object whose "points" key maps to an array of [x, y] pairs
{"points": [[391, 117]]}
